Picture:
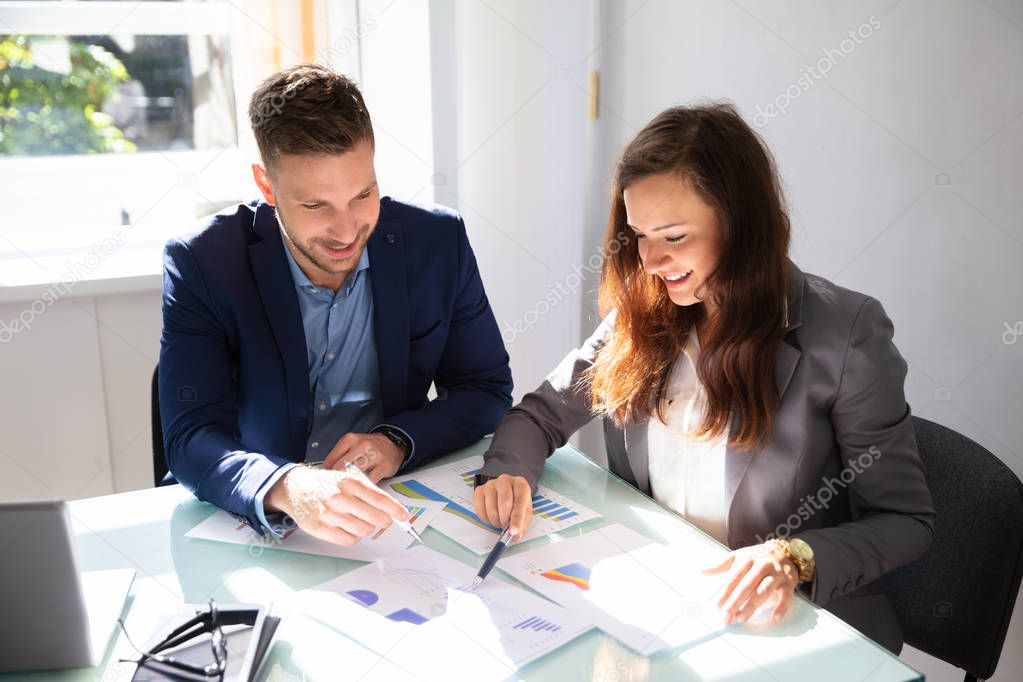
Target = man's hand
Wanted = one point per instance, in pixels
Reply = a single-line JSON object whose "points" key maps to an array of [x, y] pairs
{"points": [[756, 574], [332, 506], [376, 454], [505, 502]]}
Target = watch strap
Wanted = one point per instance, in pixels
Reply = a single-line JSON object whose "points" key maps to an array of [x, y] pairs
{"points": [[396, 436]]}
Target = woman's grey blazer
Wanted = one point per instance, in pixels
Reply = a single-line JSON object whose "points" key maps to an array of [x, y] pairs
{"points": [[841, 470]]}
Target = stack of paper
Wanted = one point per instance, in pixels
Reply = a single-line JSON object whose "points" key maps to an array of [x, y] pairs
{"points": [[417, 609], [630, 586]]}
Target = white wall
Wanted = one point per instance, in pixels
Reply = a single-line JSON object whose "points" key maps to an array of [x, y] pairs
{"points": [[74, 412], [511, 163], [902, 168], [395, 81]]}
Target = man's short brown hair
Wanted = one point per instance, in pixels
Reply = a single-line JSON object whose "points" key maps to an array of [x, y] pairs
{"points": [[308, 109]]}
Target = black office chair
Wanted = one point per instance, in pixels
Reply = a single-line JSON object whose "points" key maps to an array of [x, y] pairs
{"points": [[160, 470], [955, 602]]}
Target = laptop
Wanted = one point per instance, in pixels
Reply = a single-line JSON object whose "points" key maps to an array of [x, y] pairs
{"points": [[52, 616]]}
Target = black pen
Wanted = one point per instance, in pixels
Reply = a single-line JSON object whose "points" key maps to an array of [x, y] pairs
{"points": [[495, 554]]}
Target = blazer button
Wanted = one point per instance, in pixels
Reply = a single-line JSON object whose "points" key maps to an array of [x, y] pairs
{"points": [[845, 588], [859, 580], [834, 592], [390, 238]]}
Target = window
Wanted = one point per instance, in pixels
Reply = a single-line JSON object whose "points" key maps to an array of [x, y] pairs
{"points": [[129, 118], [119, 114]]}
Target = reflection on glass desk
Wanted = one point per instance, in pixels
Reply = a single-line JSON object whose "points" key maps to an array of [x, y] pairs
{"points": [[145, 530]]}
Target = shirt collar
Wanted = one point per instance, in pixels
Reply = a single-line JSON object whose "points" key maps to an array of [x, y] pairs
{"points": [[692, 346], [303, 282]]}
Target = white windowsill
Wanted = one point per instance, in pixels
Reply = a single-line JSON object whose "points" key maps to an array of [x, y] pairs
{"points": [[50, 265]]}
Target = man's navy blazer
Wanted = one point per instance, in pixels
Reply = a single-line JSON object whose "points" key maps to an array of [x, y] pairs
{"points": [[234, 380]]}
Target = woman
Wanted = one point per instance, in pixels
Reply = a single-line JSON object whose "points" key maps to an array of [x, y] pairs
{"points": [[763, 404]]}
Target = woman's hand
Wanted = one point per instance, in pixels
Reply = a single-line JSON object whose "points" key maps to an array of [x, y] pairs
{"points": [[756, 575], [505, 502]]}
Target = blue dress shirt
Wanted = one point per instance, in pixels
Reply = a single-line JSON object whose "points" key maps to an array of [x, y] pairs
{"points": [[344, 377]]}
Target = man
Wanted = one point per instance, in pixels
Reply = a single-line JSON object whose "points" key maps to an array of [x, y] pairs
{"points": [[310, 326]]}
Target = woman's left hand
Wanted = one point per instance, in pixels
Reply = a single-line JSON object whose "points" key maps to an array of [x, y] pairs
{"points": [[756, 574]]}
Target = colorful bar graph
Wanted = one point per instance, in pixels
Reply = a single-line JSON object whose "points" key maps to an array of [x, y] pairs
{"points": [[414, 510], [417, 490], [537, 625], [543, 507], [548, 509]]}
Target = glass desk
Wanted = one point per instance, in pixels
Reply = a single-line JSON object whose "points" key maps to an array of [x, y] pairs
{"points": [[145, 530]]}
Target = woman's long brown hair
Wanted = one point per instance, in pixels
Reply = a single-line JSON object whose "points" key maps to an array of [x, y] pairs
{"points": [[715, 151]]}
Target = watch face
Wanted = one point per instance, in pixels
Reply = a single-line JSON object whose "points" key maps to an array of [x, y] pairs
{"points": [[801, 549]]}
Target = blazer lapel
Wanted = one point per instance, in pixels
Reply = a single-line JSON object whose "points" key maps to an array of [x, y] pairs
{"points": [[277, 292], [638, 453], [390, 312]]}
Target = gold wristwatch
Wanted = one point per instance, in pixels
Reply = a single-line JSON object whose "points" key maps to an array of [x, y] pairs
{"points": [[801, 555]]}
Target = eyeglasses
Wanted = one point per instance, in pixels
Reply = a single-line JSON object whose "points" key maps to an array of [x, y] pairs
{"points": [[205, 621]]}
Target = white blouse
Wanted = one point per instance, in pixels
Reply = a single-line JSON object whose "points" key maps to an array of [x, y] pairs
{"points": [[687, 474]]}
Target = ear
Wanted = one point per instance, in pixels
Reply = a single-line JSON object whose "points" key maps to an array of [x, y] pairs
{"points": [[263, 182]]}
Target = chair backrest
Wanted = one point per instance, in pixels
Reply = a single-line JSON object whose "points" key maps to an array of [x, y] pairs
{"points": [[159, 461], [955, 602]]}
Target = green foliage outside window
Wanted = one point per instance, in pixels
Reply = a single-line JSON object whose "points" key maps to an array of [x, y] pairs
{"points": [[46, 112]]}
